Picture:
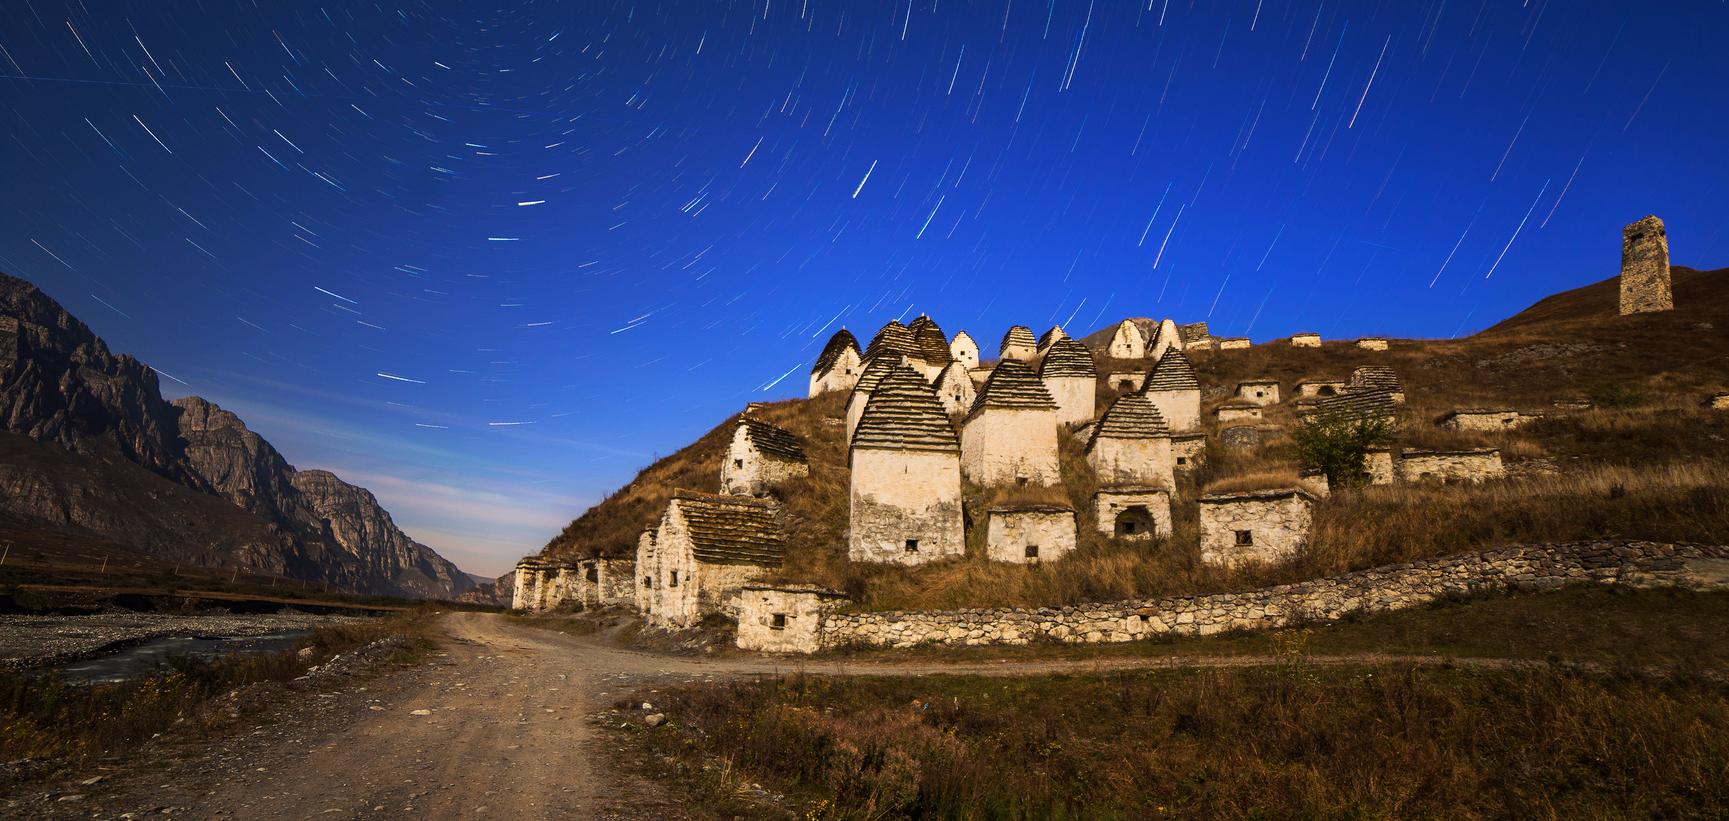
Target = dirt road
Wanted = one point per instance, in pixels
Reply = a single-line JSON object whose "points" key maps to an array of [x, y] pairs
{"points": [[497, 727]]}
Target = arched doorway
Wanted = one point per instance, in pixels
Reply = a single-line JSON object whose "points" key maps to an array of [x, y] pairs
{"points": [[1134, 522]]}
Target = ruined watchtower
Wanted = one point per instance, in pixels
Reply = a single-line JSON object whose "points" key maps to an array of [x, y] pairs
{"points": [[1645, 268]]}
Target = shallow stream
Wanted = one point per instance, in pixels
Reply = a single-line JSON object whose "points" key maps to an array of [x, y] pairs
{"points": [[149, 656]]}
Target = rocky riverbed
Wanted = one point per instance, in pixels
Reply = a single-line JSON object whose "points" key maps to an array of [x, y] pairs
{"points": [[28, 641]]}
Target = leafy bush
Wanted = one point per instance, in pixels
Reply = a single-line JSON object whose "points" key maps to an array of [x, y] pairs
{"points": [[1336, 443]]}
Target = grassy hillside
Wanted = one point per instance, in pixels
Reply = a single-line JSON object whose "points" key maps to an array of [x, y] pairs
{"points": [[1647, 462]]}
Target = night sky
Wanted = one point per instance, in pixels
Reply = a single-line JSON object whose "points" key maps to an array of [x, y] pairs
{"points": [[489, 259]]}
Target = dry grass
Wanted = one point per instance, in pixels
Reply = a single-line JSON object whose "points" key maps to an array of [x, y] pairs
{"points": [[1272, 479], [1289, 741]]}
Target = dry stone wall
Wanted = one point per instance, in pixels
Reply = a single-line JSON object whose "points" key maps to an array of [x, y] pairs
{"points": [[1395, 587]]}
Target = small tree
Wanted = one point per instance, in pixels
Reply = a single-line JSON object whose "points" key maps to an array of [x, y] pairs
{"points": [[1336, 443]]}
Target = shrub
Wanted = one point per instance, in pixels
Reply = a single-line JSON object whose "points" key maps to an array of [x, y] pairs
{"points": [[1336, 443]]}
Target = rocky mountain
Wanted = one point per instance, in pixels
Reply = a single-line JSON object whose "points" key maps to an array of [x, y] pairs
{"points": [[91, 454]]}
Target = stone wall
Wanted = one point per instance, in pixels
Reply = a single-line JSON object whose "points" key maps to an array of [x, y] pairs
{"points": [[1003, 446], [747, 471], [1235, 343], [1258, 393], [1306, 340], [1181, 409], [1645, 268], [1372, 344], [1076, 398], [1128, 342], [1189, 450], [1119, 461], [1717, 401], [840, 376], [1395, 587], [1126, 380], [1450, 466], [1320, 387], [1487, 420], [899, 496], [964, 350], [1030, 535], [1267, 526], [1148, 509], [1378, 463], [784, 618], [1238, 413]]}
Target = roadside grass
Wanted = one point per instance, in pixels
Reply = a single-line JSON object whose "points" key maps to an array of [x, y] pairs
{"points": [[1291, 740], [49, 727]]}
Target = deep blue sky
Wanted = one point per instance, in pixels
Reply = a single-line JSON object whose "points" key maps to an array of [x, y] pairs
{"points": [[587, 231]]}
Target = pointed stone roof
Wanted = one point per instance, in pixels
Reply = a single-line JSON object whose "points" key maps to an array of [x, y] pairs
{"points": [[1172, 372], [837, 345], [875, 370], [960, 335], [1013, 385], [933, 344], [904, 414], [1018, 335], [1131, 416], [731, 529], [1067, 358], [893, 338], [1375, 376], [1052, 336], [772, 441], [1359, 404]]}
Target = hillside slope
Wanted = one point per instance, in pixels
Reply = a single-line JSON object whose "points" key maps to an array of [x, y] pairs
{"points": [[95, 462]]}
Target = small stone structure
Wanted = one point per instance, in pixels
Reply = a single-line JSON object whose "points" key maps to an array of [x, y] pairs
{"points": [[1127, 342], [906, 477], [1718, 401], [784, 618], [543, 584], [761, 457], [933, 345], [1261, 392], [1320, 387], [874, 371], [1378, 377], [1172, 388], [1018, 343], [1126, 380], [1372, 343], [1383, 589], [1195, 335], [1133, 512], [956, 389], [1378, 464], [704, 551], [1645, 268], [1165, 338], [1306, 340], [1485, 419], [1131, 445], [1450, 466], [1261, 525], [1240, 436], [1366, 404], [1189, 450], [1051, 337], [1010, 435], [1068, 373], [1237, 411], [964, 350], [1029, 534], [1235, 343], [839, 365]]}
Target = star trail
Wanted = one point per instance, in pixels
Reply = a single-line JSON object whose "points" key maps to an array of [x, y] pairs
{"points": [[489, 259]]}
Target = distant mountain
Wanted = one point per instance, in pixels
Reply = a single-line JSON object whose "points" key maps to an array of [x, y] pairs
{"points": [[112, 462]]}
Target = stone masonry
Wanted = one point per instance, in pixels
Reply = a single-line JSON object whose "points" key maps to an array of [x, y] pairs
{"points": [[1449, 466], [1133, 512], [1645, 268], [1395, 587], [1261, 525], [1029, 534]]}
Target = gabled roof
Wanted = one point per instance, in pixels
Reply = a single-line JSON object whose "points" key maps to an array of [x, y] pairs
{"points": [[1131, 416], [875, 370], [1359, 404], [1053, 335], [837, 345], [1375, 376], [1013, 385], [1018, 335], [1172, 372], [772, 441], [731, 529], [904, 414], [1067, 358], [893, 338]]}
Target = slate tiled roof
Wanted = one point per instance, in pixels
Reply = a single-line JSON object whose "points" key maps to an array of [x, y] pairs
{"points": [[1375, 376], [1131, 416], [875, 370], [772, 441], [1359, 404], [904, 414], [893, 338], [837, 345], [731, 529], [1018, 335], [1051, 336], [1172, 372], [933, 345], [1067, 358], [1013, 385], [1194, 332]]}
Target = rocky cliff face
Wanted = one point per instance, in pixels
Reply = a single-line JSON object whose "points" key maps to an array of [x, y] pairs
{"points": [[357, 523], [114, 464]]}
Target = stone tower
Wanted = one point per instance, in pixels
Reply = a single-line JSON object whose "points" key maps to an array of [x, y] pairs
{"points": [[1645, 268]]}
